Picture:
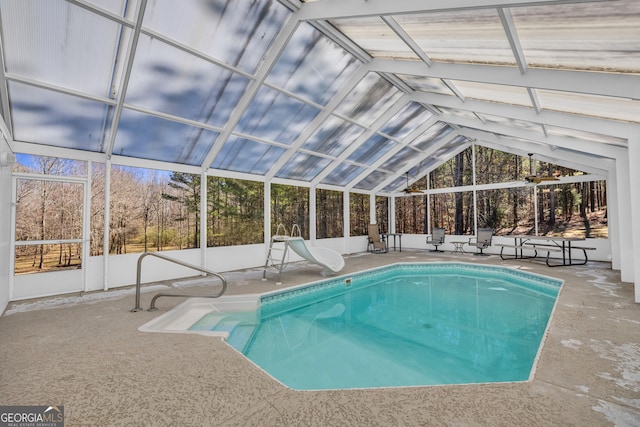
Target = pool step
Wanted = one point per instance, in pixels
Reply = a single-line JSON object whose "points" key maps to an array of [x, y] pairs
{"points": [[239, 331], [240, 336]]}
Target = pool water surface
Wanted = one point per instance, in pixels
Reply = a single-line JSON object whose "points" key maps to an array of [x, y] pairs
{"points": [[401, 325]]}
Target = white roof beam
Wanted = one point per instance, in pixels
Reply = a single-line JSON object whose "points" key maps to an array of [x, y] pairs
{"points": [[553, 118], [59, 89], [332, 9], [606, 84], [514, 40], [393, 24], [533, 96], [124, 83]]}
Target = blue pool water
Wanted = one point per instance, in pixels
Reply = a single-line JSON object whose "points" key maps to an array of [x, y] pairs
{"points": [[402, 325]]}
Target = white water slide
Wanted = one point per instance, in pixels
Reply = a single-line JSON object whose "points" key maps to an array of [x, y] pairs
{"points": [[330, 260]]}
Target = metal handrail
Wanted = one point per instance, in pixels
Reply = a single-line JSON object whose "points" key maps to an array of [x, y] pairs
{"points": [[175, 261]]}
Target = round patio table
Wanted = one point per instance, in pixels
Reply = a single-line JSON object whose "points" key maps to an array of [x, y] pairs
{"points": [[458, 247]]}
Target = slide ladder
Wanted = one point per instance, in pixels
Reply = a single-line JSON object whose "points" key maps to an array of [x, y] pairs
{"points": [[277, 256]]}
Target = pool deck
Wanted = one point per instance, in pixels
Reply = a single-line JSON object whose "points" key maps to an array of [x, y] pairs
{"points": [[85, 352]]}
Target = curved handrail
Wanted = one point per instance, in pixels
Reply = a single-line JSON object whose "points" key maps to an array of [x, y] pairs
{"points": [[175, 261]]}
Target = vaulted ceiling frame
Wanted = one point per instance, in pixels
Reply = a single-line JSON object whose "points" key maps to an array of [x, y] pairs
{"points": [[271, 57], [355, 6]]}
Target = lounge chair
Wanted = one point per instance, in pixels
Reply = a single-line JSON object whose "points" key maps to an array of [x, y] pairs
{"points": [[376, 242], [436, 239], [482, 240]]}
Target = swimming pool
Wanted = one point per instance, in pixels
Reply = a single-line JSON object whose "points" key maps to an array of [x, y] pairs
{"points": [[405, 324]]}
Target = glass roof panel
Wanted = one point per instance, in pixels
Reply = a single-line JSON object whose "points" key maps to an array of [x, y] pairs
{"points": [[399, 161], [343, 174], [312, 66], [426, 84], [444, 153], [464, 36], [374, 35], [589, 136], [406, 120], [148, 137], [590, 105], [168, 80], [237, 33], [35, 32], [374, 148], [369, 99], [595, 36], [303, 167], [399, 183], [436, 132], [275, 116], [52, 118], [372, 180], [513, 95], [333, 137], [244, 155]]}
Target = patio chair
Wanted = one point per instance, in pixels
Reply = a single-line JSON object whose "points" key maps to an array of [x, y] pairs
{"points": [[436, 239], [483, 240], [376, 242]]}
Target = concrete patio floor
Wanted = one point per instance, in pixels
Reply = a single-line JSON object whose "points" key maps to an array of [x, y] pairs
{"points": [[85, 352]]}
